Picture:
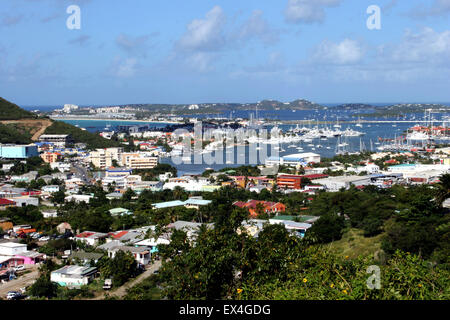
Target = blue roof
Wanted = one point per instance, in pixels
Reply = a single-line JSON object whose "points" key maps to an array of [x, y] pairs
{"points": [[168, 204], [199, 202], [293, 159]]}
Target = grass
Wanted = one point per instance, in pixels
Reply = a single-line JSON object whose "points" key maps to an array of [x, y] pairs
{"points": [[354, 244]]}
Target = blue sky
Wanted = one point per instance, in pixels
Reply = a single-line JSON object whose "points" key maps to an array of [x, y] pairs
{"points": [[142, 51]]}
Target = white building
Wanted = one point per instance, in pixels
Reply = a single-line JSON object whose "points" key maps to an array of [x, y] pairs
{"points": [[73, 275], [12, 248], [294, 159], [336, 183]]}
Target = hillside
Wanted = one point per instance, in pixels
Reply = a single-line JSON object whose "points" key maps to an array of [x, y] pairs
{"points": [[92, 140], [11, 111], [20, 126]]}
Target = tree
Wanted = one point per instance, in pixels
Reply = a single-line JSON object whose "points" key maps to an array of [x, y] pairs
{"points": [[120, 268], [328, 228], [58, 197], [43, 287], [443, 189]]}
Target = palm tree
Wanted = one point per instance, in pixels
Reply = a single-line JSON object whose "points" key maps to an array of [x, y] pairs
{"points": [[443, 189]]}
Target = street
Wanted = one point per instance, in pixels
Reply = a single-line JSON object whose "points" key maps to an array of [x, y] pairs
{"points": [[21, 281], [122, 291]]}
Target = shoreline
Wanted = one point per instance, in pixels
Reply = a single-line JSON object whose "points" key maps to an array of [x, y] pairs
{"points": [[103, 119], [268, 122]]}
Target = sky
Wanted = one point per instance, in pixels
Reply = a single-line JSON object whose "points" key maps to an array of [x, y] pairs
{"points": [[202, 51]]}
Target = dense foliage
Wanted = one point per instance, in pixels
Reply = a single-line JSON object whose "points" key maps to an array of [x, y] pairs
{"points": [[11, 111], [11, 134], [91, 140]]}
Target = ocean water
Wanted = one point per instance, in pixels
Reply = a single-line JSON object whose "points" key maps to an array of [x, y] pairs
{"points": [[373, 132]]}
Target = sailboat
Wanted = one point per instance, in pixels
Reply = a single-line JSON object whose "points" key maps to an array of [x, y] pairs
{"points": [[359, 124]]}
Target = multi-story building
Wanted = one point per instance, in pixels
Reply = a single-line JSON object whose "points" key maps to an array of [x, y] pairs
{"points": [[51, 157], [138, 161], [60, 140], [292, 181], [103, 158], [14, 151]]}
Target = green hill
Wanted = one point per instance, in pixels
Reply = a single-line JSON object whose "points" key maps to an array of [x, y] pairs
{"points": [[92, 140], [21, 127], [11, 111]]}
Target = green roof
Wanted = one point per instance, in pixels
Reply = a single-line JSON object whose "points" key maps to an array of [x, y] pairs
{"points": [[291, 218]]}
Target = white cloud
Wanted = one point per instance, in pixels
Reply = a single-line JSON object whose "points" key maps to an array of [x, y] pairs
{"points": [[426, 46], [137, 46], [257, 26], [205, 34], [307, 11], [345, 52], [124, 68]]}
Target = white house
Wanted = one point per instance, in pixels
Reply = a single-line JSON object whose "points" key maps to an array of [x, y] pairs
{"points": [[12, 248], [50, 188], [78, 198], [73, 275], [141, 254]]}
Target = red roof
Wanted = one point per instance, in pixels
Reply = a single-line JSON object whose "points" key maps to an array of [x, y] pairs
{"points": [[119, 234], [85, 234], [5, 202]]}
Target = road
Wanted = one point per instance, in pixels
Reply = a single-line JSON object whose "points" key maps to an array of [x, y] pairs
{"points": [[122, 291], [21, 281], [82, 173]]}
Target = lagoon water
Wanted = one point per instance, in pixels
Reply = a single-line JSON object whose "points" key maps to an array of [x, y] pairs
{"points": [[373, 132]]}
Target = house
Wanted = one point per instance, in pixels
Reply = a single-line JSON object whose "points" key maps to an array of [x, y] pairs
{"points": [[190, 228], [25, 201], [126, 236], [298, 228], [12, 248], [267, 206], [91, 237], [196, 202], [31, 257], [193, 202], [63, 227], [79, 198], [114, 195], [5, 203], [73, 275], [141, 254], [85, 257], [120, 212], [49, 213], [152, 244], [50, 188]]}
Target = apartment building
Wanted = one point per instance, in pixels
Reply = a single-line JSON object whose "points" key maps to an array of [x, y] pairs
{"points": [[103, 158], [138, 160], [50, 157]]}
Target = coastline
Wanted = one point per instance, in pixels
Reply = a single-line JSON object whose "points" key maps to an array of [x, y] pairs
{"points": [[117, 120]]}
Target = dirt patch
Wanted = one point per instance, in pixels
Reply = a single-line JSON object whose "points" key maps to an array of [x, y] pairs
{"points": [[36, 127]]}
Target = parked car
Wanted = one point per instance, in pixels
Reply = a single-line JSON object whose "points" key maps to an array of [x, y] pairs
{"points": [[19, 268], [13, 295], [44, 238], [107, 285]]}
